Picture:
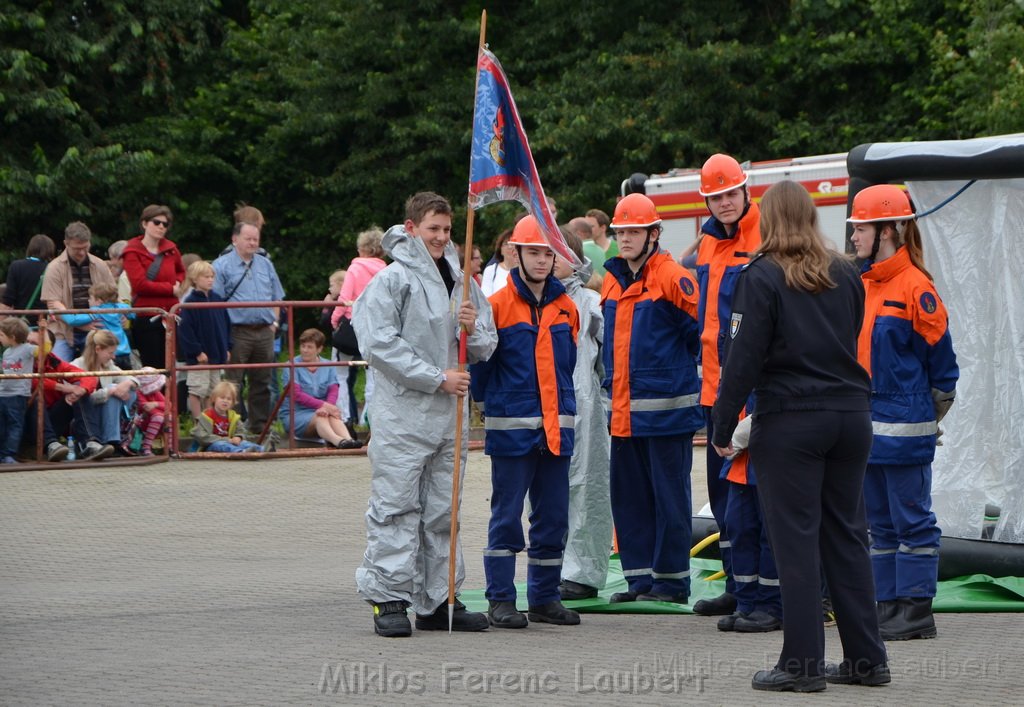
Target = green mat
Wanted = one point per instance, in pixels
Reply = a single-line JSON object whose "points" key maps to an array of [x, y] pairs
{"points": [[976, 593]]}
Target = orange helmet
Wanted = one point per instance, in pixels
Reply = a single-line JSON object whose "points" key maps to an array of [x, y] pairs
{"points": [[720, 173], [635, 211], [882, 202], [527, 232]]}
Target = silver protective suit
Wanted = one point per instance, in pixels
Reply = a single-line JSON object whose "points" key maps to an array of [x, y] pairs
{"points": [[590, 513], [408, 332]]}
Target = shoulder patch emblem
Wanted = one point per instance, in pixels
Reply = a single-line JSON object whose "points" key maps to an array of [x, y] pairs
{"points": [[734, 324], [928, 302], [686, 285]]}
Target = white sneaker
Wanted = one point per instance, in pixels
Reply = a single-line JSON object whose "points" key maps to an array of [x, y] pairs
{"points": [[94, 451], [56, 452]]}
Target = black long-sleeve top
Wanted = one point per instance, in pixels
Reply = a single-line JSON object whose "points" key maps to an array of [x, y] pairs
{"points": [[795, 349]]}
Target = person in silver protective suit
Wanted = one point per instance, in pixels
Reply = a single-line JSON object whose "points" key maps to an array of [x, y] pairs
{"points": [[407, 322], [585, 563]]}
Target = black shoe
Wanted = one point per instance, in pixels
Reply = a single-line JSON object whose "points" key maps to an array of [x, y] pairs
{"points": [[553, 613], [913, 619], [570, 590], [462, 620], [349, 444], [622, 597], [504, 614], [728, 623], [722, 605], [843, 674], [680, 598], [390, 620], [776, 680], [757, 622]]}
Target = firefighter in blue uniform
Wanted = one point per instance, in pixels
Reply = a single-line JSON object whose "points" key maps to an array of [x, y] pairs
{"points": [[526, 388], [650, 349]]}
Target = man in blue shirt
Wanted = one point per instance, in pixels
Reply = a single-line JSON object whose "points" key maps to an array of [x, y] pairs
{"points": [[243, 275]]}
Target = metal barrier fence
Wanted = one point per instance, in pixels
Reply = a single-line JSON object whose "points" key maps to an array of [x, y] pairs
{"points": [[171, 433], [288, 307]]}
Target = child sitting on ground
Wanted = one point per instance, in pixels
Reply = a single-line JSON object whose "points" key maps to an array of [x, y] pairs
{"points": [[104, 296], [152, 407], [14, 392], [216, 430]]}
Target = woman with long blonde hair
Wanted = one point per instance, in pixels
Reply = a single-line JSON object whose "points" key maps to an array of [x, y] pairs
{"points": [[796, 315], [99, 426]]}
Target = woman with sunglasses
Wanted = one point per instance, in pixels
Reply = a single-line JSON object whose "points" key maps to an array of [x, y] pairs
{"points": [[155, 272]]}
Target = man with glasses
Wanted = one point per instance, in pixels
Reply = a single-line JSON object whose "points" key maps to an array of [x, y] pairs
{"points": [[67, 281]]}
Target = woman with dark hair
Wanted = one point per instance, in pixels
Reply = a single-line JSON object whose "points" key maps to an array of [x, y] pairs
{"points": [[504, 260], [156, 272], [796, 315], [315, 413], [25, 277]]}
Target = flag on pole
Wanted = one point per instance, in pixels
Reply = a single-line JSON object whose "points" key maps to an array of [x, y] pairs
{"points": [[501, 167]]}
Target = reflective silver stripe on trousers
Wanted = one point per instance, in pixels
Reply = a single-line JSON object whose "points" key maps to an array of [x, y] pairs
{"points": [[745, 577], [636, 573], [499, 553], [552, 562], [724, 543], [918, 550], [882, 551], [765, 582], [654, 404], [904, 429], [671, 575], [524, 423]]}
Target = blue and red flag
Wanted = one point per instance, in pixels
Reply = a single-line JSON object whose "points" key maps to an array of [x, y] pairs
{"points": [[501, 167]]}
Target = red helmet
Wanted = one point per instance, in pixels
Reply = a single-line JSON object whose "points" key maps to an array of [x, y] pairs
{"points": [[720, 173], [882, 202], [527, 232], [635, 211]]}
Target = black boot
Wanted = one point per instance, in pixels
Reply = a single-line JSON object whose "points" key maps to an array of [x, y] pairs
{"points": [[776, 680], [570, 590], [844, 674], [622, 597], [554, 613], [390, 620], [680, 598], [504, 614], [913, 619], [462, 620], [757, 622], [722, 605], [728, 623], [885, 611]]}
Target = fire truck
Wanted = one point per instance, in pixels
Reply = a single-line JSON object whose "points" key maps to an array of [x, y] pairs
{"points": [[682, 208]]}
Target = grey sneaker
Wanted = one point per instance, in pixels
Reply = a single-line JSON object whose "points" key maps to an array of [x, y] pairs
{"points": [[94, 451], [56, 452]]}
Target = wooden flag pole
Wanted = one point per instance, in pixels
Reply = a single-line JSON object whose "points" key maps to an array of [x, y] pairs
{"points": [[459, 411]]}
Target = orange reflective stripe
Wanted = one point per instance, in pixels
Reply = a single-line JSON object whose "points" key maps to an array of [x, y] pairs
{"points": [[544, 356], [719, 255], [620, 426]]}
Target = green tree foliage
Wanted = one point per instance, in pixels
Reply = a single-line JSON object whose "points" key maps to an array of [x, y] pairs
{"points": [[327, 115]]}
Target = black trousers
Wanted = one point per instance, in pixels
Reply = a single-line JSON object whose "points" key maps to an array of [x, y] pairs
{"points": [[810, 475]]}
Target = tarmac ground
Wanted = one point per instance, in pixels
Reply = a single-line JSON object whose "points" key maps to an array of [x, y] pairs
{"points": [[232, 583]]}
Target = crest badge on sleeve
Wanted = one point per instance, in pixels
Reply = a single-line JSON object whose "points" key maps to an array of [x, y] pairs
{"points": [[928, 302], [734, 324]]}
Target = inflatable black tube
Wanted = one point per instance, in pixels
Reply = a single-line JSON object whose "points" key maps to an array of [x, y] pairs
{"points": [[958, 557]]}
